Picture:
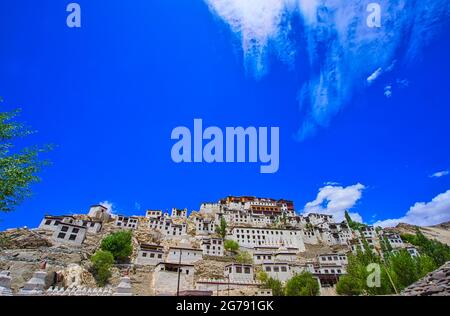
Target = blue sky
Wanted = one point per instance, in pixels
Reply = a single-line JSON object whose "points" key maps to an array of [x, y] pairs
{"points": [[110, 93]]}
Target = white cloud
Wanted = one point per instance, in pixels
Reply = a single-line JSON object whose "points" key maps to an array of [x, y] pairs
{"points": [[424, 214], [388, 91], [335, 200], [439, 174], [374, 76], [340, 47], [108, 205]]}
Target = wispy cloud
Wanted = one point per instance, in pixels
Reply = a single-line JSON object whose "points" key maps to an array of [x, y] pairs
{"points": [[108, 205], [424, 213], [388, 91], [439, 174], [374, 76], [344, 54], [335, 200]]}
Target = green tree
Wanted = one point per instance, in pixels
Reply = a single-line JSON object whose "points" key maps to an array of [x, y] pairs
{"points": [[351, 223], [101, 266], [18, 167], [270, 283], [349, 285], [221, 229], [437, 251], [119, 245], [244, 257], [404, 269], [275, 285], [303, 284], [231, 245]]}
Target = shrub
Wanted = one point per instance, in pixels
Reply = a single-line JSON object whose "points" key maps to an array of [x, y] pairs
{"points": [[275, 285], [231, 245], [101, 266], [303, 284], [244, 257], [119, 245]]}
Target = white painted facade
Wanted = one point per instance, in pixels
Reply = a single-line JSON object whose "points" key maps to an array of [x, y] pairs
{"points": [[150, 255], [186, 255], [69, 234], [212, 247], [127, 221], [251, 237], [236, 272]]}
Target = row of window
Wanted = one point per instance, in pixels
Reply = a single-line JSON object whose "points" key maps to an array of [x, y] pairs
{"points": [[151, 255], [63, 236], [276, 269], [267, 232], [239, 270]]}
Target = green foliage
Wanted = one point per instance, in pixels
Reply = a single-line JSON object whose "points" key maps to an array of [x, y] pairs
{"points": [[404, 269], [437, 251], [118, 244], [275, 285], [101, 266], [352, 224], [244, 257], [303, 284], [221, 229], [231, 245], [270, 283], [262, 276], [18, 167], [349, 285], [397, 271]]}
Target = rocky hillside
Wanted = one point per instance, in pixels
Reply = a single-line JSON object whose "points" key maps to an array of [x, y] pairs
{"points": [[439, 232]]}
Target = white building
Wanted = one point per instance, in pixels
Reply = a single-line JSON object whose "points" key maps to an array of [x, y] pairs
{"points": [[395, 241], [204, 226], [166, 276], [251, 237], [92, 226], [240, 273], [149, 255], [179, 213], [278, 270], [99, 212], [333, 258], [210, 208], [69, 234], [184, 255], [168, 227], [51, 222], [127, 221], [212, 247], [413, 251], [153, 213], [260, 257]]}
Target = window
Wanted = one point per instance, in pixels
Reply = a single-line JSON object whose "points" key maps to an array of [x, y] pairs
{"points": [[276, 269], [152, 255], [268, 269], [48, 222], [73, 237], [247, 270], [258, 257], [283, 269], [144, 254], [75, 230], [238, 269], [61, 235], [64, 228]]}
